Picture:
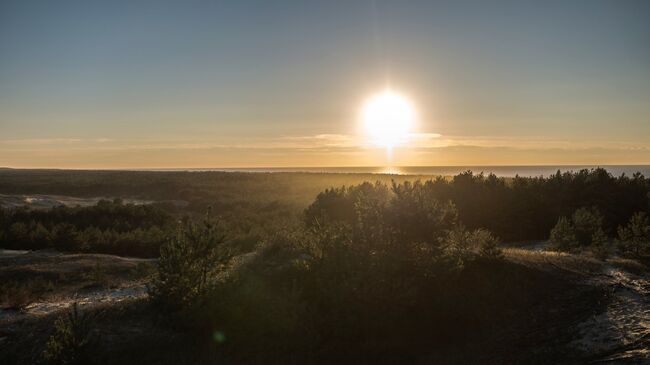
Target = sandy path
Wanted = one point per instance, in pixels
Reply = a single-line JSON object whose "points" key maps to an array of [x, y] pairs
{"points": [[620, 334], [88, 299]]}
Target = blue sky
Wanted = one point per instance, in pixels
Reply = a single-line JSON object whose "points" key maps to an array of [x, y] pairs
{"points": [[280, 83]]}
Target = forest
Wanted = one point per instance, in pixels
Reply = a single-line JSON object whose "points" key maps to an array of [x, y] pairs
{"points": [[253, 206], [372, 269]]}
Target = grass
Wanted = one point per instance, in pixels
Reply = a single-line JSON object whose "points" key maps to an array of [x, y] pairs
{"points": [[551, 260], [17, 296]]}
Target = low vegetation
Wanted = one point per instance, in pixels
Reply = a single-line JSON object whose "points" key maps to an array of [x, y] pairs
{"points": [[585, 231], [72, 339], [14, 295], [189, 263], [252, 207], [392, 270], [365, 252], [634, 237]]}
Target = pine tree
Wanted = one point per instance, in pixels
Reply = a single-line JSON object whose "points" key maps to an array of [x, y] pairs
{"points": [[601, 245], [563, 236], [189, 263], [634, 238]]}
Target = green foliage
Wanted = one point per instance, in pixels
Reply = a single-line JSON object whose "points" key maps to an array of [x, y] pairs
{"points": [[458, 244], [563, 236], [587, 222], [407, 212], [634, 237], [584, 229], [463, 245], [417, 214], [601, 245], [97, 275], [360, 261], [72, 339], [19, 295], [108, 227], [189, 264], [377, 267], [254, 206], [488, 245]]}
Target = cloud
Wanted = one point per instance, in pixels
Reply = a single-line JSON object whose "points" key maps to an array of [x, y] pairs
{"points": [[50, 141], [316, 150], [330, 142]]}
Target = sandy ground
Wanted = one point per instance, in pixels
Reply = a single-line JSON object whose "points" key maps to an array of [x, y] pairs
{"points": [[40, 201], [84, 300], [619, 333], [622, 332], [88, 279]]}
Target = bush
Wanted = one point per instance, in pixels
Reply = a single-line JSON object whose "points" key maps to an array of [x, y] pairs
{"points": [[488, 245], [584, 229], [601, 245], [563, 236], [463, 245], [634, 237], [587, 222], [71, 340], [189, 264]]}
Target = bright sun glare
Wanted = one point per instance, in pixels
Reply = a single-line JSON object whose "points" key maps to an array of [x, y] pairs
{"points": [[387, 118]]}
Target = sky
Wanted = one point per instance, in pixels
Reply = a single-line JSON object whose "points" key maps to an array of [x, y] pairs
{"points": [[199, 84]]}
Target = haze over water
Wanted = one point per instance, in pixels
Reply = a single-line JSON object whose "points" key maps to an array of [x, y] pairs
{"points": [[505, 171]]}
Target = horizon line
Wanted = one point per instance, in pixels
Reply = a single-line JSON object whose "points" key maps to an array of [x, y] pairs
{"points": [[312, 167]]}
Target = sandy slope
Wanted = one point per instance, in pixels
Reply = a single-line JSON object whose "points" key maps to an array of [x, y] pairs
{"points": [[622, 331], [88, 279], [618, 332]]}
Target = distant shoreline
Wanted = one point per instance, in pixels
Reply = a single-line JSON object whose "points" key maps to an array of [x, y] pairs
{"points": [[505, 170]]}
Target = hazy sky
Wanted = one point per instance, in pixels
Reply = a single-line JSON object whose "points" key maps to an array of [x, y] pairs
{"points": [[281, 83]]}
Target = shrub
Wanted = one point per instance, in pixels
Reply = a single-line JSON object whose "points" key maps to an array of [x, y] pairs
{"points": [[600, 245], [72, 339], [488, 245], [563, 236], [457, 243], [463, 245], [18, 295], [586, 222], [189, 263], [634, 237]]}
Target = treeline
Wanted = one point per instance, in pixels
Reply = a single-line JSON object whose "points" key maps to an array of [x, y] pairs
{"points": [[584, 231], [109, 227], [518, 209], [255, 206], [525, 208]]}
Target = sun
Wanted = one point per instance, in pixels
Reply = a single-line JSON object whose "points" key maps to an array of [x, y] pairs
{"points": [[388, 118]]}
